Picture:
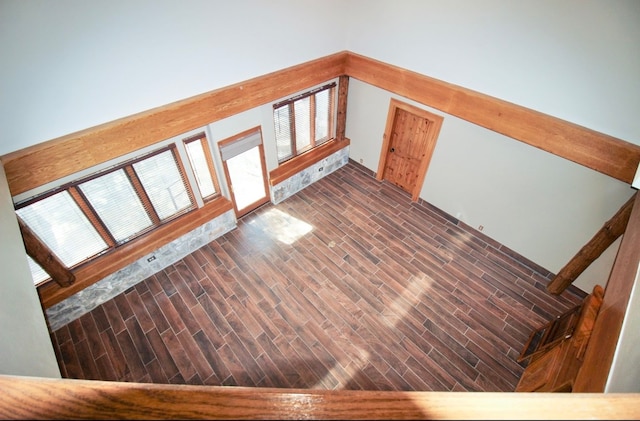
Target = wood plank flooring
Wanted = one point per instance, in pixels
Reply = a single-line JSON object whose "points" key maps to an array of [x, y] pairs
{"points": [[346, 285]]}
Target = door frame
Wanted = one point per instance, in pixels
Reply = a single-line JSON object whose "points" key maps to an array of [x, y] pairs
{"points": [[435, 123], [265, 178]]}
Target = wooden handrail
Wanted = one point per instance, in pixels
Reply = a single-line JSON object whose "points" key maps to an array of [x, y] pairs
{"points": [[40, 398], [595, 369]]}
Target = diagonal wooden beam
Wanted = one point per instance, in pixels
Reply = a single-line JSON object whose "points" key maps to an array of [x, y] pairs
{"points": [[609, 233], [45, 257]]}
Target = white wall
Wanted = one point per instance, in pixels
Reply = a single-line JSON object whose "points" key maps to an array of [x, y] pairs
{"points": [[26, 348], [574, 59], [625, 373], [72, 64], [543, 207]]}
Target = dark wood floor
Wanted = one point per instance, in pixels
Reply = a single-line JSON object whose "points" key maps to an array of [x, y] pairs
{"points": [[346, 285]]}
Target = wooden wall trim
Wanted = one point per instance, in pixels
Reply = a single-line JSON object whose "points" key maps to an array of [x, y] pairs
{"points": [[430, 140], [40, 398], [88, 274], [341, 119], [48, 161], [606, 154], [594, 372]]}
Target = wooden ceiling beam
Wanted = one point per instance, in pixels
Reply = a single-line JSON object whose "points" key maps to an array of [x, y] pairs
{"points": [[600, 152], [48, 161], [45, 162]]}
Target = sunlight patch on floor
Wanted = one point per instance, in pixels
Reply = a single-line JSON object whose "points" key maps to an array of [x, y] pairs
{"points": [[397, 310], [281, 226], [418, 283]]}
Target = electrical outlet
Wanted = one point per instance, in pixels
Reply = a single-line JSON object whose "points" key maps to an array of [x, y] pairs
{"points": [[320, 169], [480, 228], [151, 259]]}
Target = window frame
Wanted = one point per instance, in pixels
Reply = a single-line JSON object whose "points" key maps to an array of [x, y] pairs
{"points": [[185, 170], [290, 104], [209, 158]]}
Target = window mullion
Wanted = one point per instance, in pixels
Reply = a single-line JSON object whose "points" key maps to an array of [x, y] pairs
{"points": [[332, 112], [92, 216], [209, 158], [183, 172], [201, 172], [207, 153], [312, 120], [292, 129], [142, 194]]}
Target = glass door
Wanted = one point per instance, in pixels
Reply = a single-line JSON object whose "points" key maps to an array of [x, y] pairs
{"points": [[245, 170]]}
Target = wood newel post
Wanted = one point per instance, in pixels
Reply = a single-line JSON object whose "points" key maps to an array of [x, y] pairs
{"points": [[43, 255], [609, 233], [343, 88]]}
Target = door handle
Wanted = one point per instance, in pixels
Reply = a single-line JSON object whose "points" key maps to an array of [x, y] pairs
{"points": [[392, 150]]}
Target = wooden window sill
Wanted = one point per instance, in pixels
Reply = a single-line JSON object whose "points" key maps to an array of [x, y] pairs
{"points": [[300, 162], [91, 272]]}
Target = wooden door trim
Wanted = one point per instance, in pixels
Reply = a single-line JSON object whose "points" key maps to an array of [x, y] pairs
{"points": [[432, 136], [241, 212]]}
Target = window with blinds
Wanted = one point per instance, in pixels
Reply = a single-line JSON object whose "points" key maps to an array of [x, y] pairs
{"points": [[117, 205], [304, 121], [202, 164], [60, 223], [86, 218]]}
